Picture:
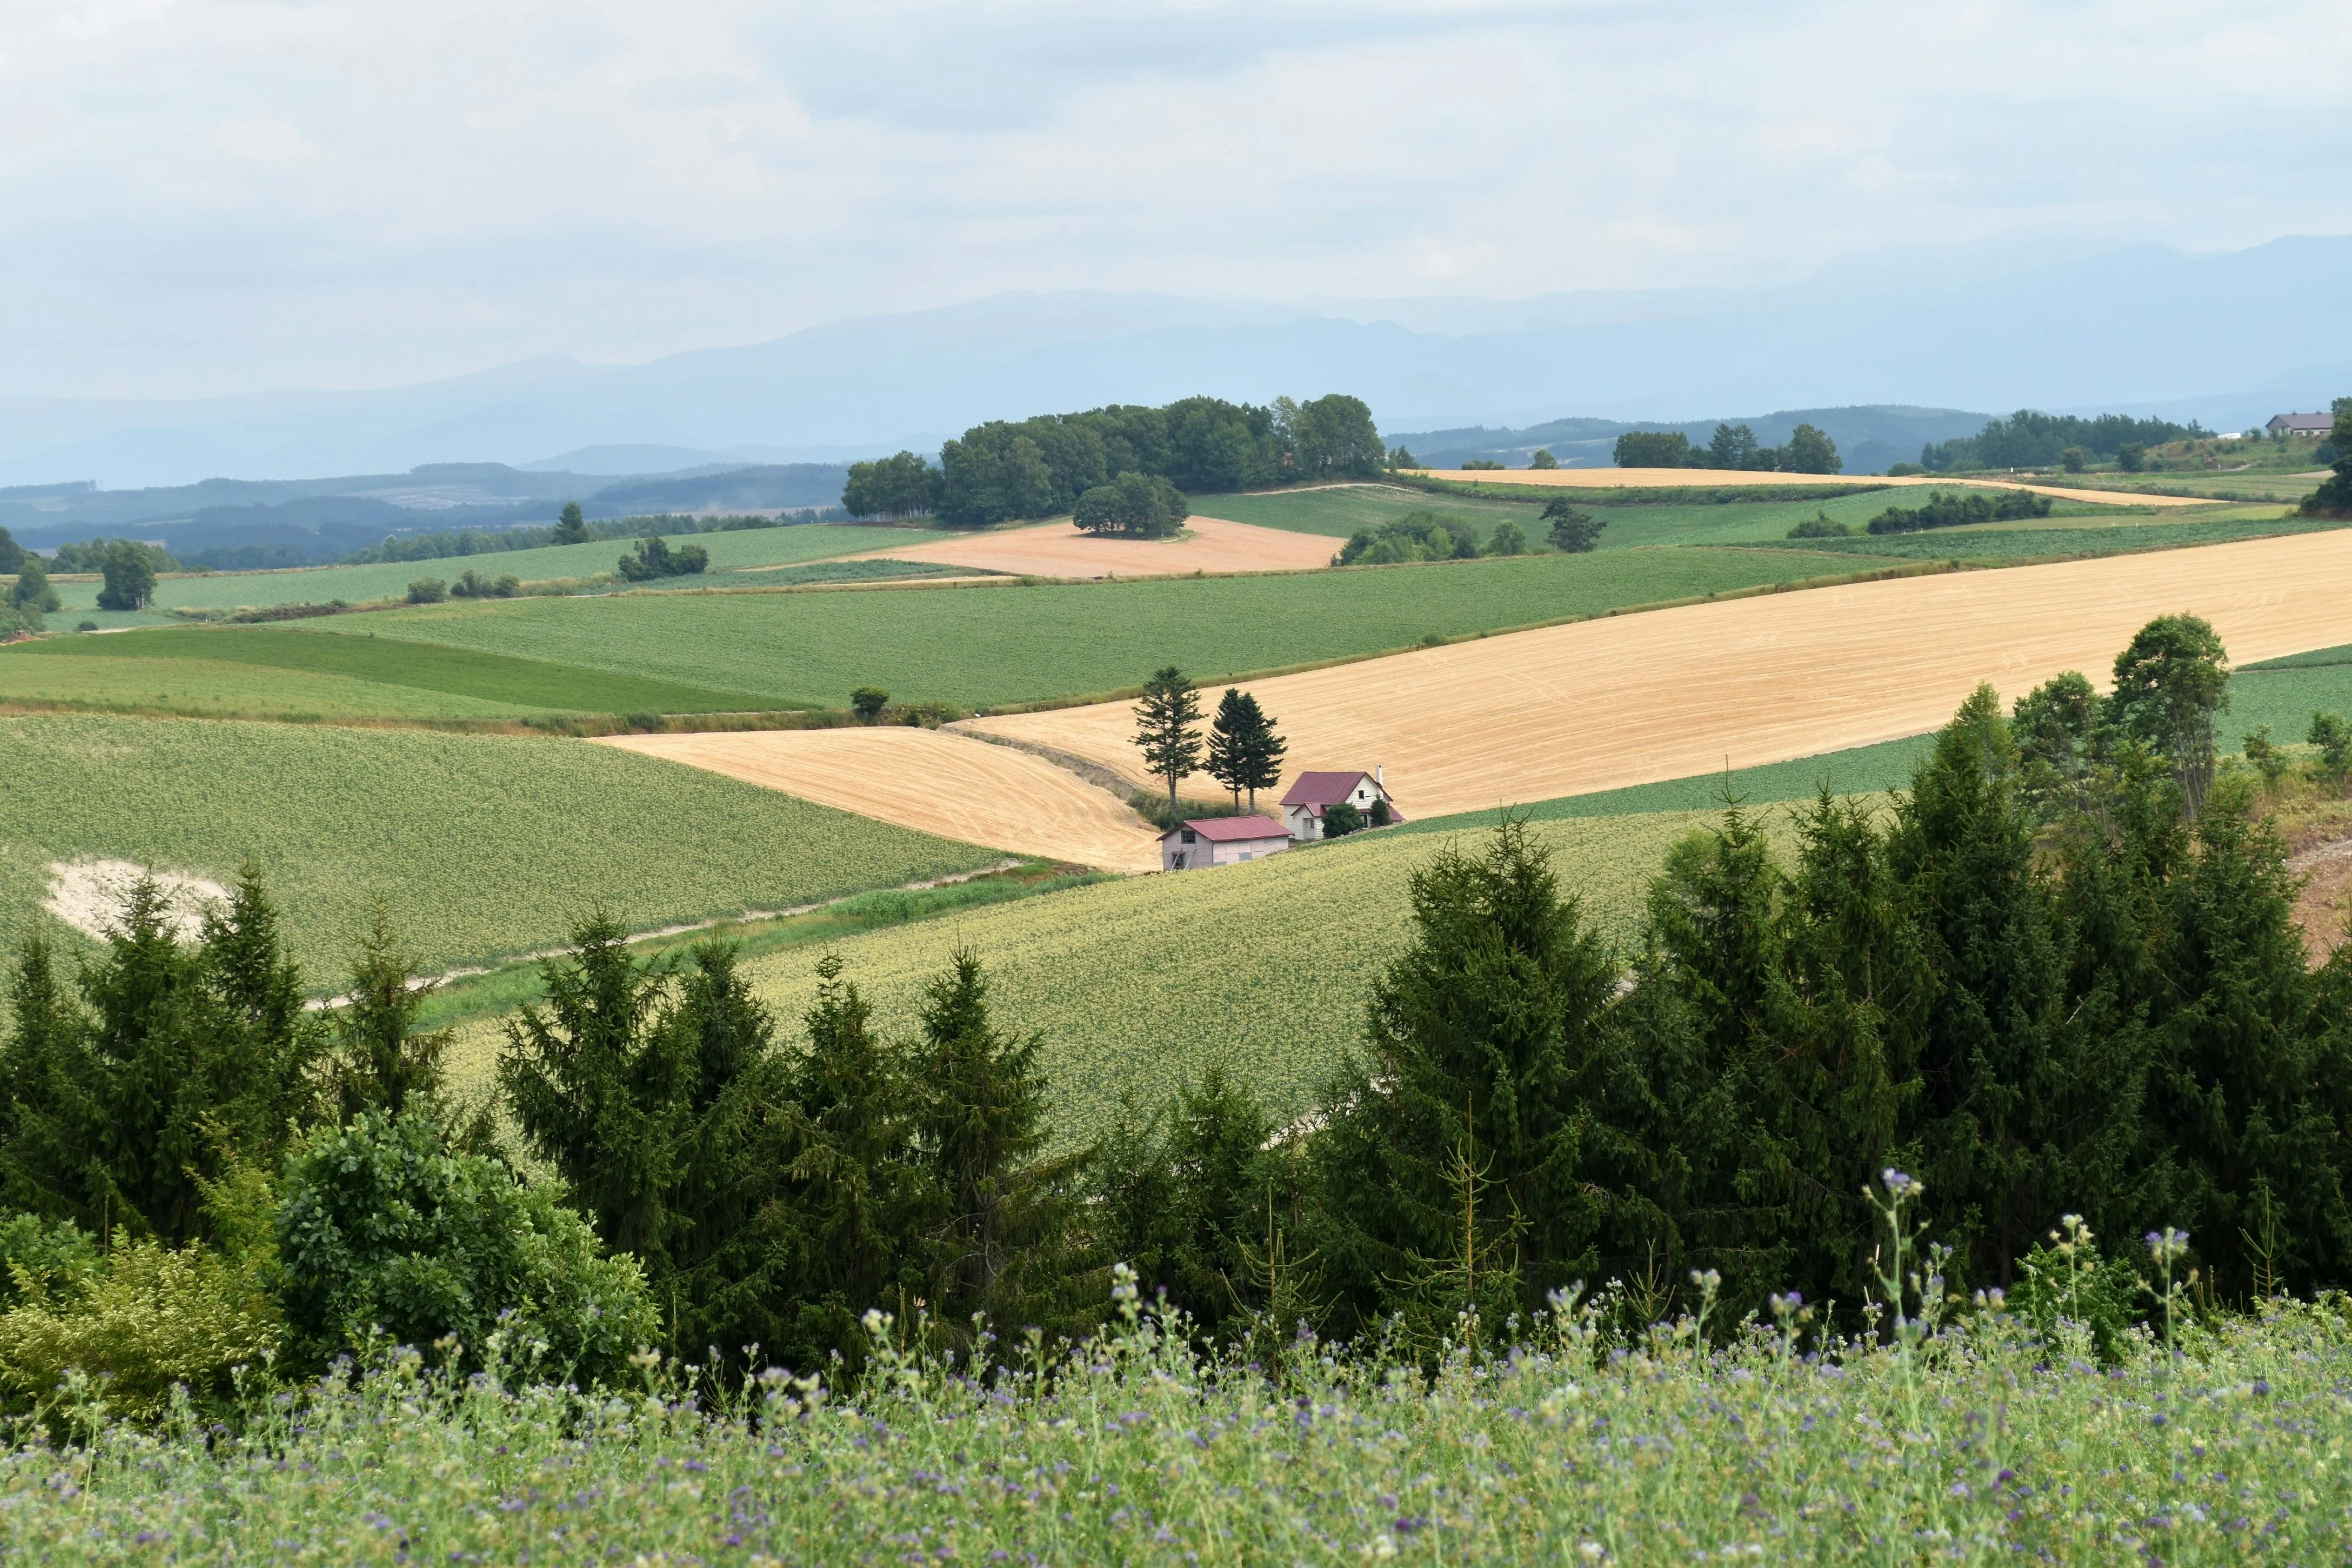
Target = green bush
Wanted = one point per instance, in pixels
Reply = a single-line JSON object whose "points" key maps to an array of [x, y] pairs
{"points": [[2333, 736], [1508, 538], [1955, 509], [653, 558], [1821, 526], [2069, 1287], [1416, 536], [147, 1317], [1140, 506], [1341, 820], [1573, 530], [868, 701], [427, 590], [386, 1227]]}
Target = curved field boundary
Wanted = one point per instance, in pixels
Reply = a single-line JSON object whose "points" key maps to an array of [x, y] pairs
{"points": [[1702, 479], [1603, 704], [967, 789], [1059, 550]]}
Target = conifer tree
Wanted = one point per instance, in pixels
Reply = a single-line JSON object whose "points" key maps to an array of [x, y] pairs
{"points": [[1262, 755], [1230, 736], [1005, 1212], [381, 1062], [1167, 727]]}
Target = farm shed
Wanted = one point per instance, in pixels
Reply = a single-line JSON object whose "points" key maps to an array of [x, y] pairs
{"points": [[2301, 424], [1220, 841], [1313, 794]]}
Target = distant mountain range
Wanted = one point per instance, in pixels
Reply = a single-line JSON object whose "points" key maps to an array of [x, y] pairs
{"points": [[282, 521], [2227, 340]]}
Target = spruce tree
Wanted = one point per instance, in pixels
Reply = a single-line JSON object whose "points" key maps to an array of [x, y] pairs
{"points": [[1230, 737], [381, 1062], [1005, 1211], [1262, 752], [1167, 727]]}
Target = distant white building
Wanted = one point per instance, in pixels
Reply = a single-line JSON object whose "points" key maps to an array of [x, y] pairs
{"points": [[2301, 424], [1220, 841], [1314, 793]]}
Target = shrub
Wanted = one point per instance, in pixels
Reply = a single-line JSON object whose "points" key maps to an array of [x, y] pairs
{"points": [[32, 590], [653, 558], [506, 586], [868, 702], [1508, 538], [1341, 820], [1821, 526], [427, 590], [2333, 736], [2073, 459], [386, 1226], [145, 1319], [1481, 464], [1416, 536], [1543, 458], [2266, 757], [85, 625]]}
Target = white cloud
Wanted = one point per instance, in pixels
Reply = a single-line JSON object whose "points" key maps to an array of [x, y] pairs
{"points": [[216, 195]]}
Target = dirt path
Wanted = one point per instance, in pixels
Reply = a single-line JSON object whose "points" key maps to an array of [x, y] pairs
{"points": [[1690, 479], [948, 785], [1059, 550], [1670, 693]]}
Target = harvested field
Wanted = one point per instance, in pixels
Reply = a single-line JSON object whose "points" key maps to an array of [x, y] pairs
{"points": [[1059, 550], [1603, 704], [949, 784], [1690, 479]]}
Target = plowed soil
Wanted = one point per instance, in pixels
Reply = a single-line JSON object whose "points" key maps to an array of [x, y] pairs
{"points": [[1671, 694], [948, 785], [1685, 479], [1059, 550]]}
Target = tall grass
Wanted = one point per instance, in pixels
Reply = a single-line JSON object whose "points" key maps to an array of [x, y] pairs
{"points": [[1950, 1436]]}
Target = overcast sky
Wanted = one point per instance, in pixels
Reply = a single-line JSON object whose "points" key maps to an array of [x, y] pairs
{"points": [[217, 195]]}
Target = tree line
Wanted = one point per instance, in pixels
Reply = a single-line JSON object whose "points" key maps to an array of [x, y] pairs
{"points": [[1809, 450], [2031, 439], [2334, 496], [2058, 976], [1041, 467], [1958, 509]]}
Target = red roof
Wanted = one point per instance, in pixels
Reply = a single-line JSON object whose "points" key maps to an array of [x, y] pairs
{"points": [[1232, 829], [1322, 789]]}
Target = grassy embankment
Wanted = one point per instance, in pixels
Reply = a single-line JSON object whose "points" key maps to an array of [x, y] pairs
{"points": [[481, 846]]}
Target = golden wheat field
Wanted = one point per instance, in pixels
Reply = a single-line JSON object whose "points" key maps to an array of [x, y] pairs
{"points": [[1671, 694], [963, 788], [1688, 479], [1059, 550]]}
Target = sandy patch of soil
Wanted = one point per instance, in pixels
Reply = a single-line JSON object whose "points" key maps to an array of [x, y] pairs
{"points": [[954, 785], [1691, 479], [1671, 694], [2326, 904], [91, 895], [1059, 550]]}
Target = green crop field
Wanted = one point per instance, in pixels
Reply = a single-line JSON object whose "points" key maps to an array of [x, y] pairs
{"points": [[729, 552], [261, 671], [481, 845], [2013, 541], [975, 646], [1341, 509], [2283, 693], [1138, 985]]}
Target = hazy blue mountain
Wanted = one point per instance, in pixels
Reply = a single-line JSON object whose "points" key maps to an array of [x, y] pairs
{"points": [[2228, 339]]}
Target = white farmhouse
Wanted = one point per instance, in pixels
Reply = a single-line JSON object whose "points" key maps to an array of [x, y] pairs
{"points": [[1314, 793]]}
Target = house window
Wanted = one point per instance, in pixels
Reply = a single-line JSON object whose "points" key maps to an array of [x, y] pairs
{"points": [[1190, 837], [1247, 856]]}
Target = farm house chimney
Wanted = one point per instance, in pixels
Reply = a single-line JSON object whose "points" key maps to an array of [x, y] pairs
{"points": [[1379, 775]]}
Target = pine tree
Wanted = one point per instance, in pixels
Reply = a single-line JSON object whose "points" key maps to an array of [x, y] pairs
{"points": [[1229, 745], [381, 1062], [980, 1122], [1263, 754], [572, 528], [1167, 727]]}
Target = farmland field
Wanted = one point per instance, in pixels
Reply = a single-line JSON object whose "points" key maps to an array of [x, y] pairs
{"points": [[930, 780], [1544, 481], [1058, 549], [2009, 541], [1139, 984], [1339, 511], [1672, 694], [730, 551], [978, 645], [263, 671], [481, 845]]}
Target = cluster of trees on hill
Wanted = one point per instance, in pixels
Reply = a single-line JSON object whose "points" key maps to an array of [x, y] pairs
{"points": [[2334, 497], [2059, 977], [1040, 467], [1809, 450], [2030, 439], [29, 597], [1955, 509]]}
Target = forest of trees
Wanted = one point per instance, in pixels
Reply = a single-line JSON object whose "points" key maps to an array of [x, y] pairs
{"points": [[2060, 976], [1809, 450], [2028, 440], [1038, 468]]}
